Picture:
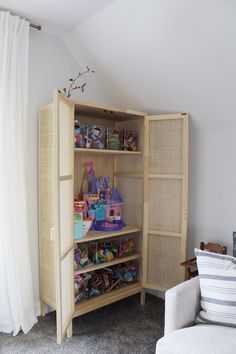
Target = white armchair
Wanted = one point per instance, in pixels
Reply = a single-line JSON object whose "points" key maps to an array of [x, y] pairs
{"points": [[182, 336]]}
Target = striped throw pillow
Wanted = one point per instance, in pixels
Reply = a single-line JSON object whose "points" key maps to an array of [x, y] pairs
{"points": [[217, 276]]}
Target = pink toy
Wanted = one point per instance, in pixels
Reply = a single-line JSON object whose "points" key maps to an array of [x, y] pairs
{"points": [[78, 206]]}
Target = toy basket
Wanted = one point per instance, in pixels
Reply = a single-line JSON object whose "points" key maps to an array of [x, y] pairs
{"points": [[128, 246]]}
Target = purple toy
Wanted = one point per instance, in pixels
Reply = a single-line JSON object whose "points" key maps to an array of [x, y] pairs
{"points": [[109, 226], [91, 178]]}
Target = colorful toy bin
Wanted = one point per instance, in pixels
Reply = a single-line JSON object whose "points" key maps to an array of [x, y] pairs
{"points": [[81, 256], [91, 284], [128, 246], [105, 251]]}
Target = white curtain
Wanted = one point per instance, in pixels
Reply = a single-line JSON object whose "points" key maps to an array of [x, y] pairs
{"points": [[16, 291]]}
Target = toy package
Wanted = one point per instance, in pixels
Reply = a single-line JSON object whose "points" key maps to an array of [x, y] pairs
{"points": [[128, 246], [80, 135], [115, 138], [106, 251], [81, 256], [96, 137], [130, 140]]}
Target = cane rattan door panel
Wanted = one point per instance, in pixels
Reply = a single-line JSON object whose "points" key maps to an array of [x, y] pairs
{"points": [[165, 200]]}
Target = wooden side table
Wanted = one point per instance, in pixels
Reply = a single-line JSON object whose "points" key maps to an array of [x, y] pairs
{"points": [[190, 268]]}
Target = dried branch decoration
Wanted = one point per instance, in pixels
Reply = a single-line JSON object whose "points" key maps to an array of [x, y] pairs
{"points": [[73, 86]]}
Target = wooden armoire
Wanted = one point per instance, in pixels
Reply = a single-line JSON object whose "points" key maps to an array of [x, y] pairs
{"points": [[153, 182]]}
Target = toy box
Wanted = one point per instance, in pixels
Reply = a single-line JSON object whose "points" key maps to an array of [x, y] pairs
{"points": [[128, 246], [81, 282], [115, 138], [106, 251], [78, 226], [81, 256], [130, 140], [96, 137], [80, 135], [102, 281]]}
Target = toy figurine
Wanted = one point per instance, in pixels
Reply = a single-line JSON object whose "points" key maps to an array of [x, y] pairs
{"points": [[91, 178], [102, 203], [96, 137]]}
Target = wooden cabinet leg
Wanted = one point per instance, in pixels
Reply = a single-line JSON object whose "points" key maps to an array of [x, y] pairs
{"points": [[42, 308], [69, 330], [142, 297]]}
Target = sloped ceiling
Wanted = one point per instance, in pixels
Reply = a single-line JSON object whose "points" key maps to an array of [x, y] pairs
{"points": [[161, 56], [56, 17], [164, 56]]}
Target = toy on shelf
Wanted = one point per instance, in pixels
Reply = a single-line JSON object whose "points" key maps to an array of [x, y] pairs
{"points": [[78, 219], [92, 284], [96, 137], [80, 285], [80, 135], [81, 224], [115, 137], [130, 140], [109, 225], [106, 251], [97, 252], [82, 257], [127, 246], [92, 182], [102, 203]]}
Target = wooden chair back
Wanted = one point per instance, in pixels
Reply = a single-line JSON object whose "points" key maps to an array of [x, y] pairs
{"points": [[213, 247]]}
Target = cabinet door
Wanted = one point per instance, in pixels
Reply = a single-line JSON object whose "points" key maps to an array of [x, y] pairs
{"points": [[165, 200], [64, 115]]}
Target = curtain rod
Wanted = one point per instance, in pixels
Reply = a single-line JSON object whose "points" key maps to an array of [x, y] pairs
{"points": [[32, 25], [37, 27]]}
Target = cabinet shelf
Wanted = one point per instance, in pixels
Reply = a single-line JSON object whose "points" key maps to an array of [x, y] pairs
{"points": [[106, 152], [97, 235], [106, 299], [93, 267]]}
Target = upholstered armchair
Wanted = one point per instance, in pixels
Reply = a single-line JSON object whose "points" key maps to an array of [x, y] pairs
{"points": [[182, 335]]}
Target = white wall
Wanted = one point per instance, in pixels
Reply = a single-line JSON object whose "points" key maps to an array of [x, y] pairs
{"points": [[157, 56], [163, 56], [50, 66]]}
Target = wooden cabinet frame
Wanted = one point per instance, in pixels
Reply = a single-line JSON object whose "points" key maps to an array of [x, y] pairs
{"points": [[140, 181]]}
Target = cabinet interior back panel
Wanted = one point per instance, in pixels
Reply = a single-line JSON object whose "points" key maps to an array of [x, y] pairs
{"points": [[165, 205], [166, 142], [103, 165], [163, 259], [129, 164], [131, 191], [94, 120]]}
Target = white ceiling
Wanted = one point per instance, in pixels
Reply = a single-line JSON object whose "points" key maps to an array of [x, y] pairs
{"points": [[57, 17]]}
